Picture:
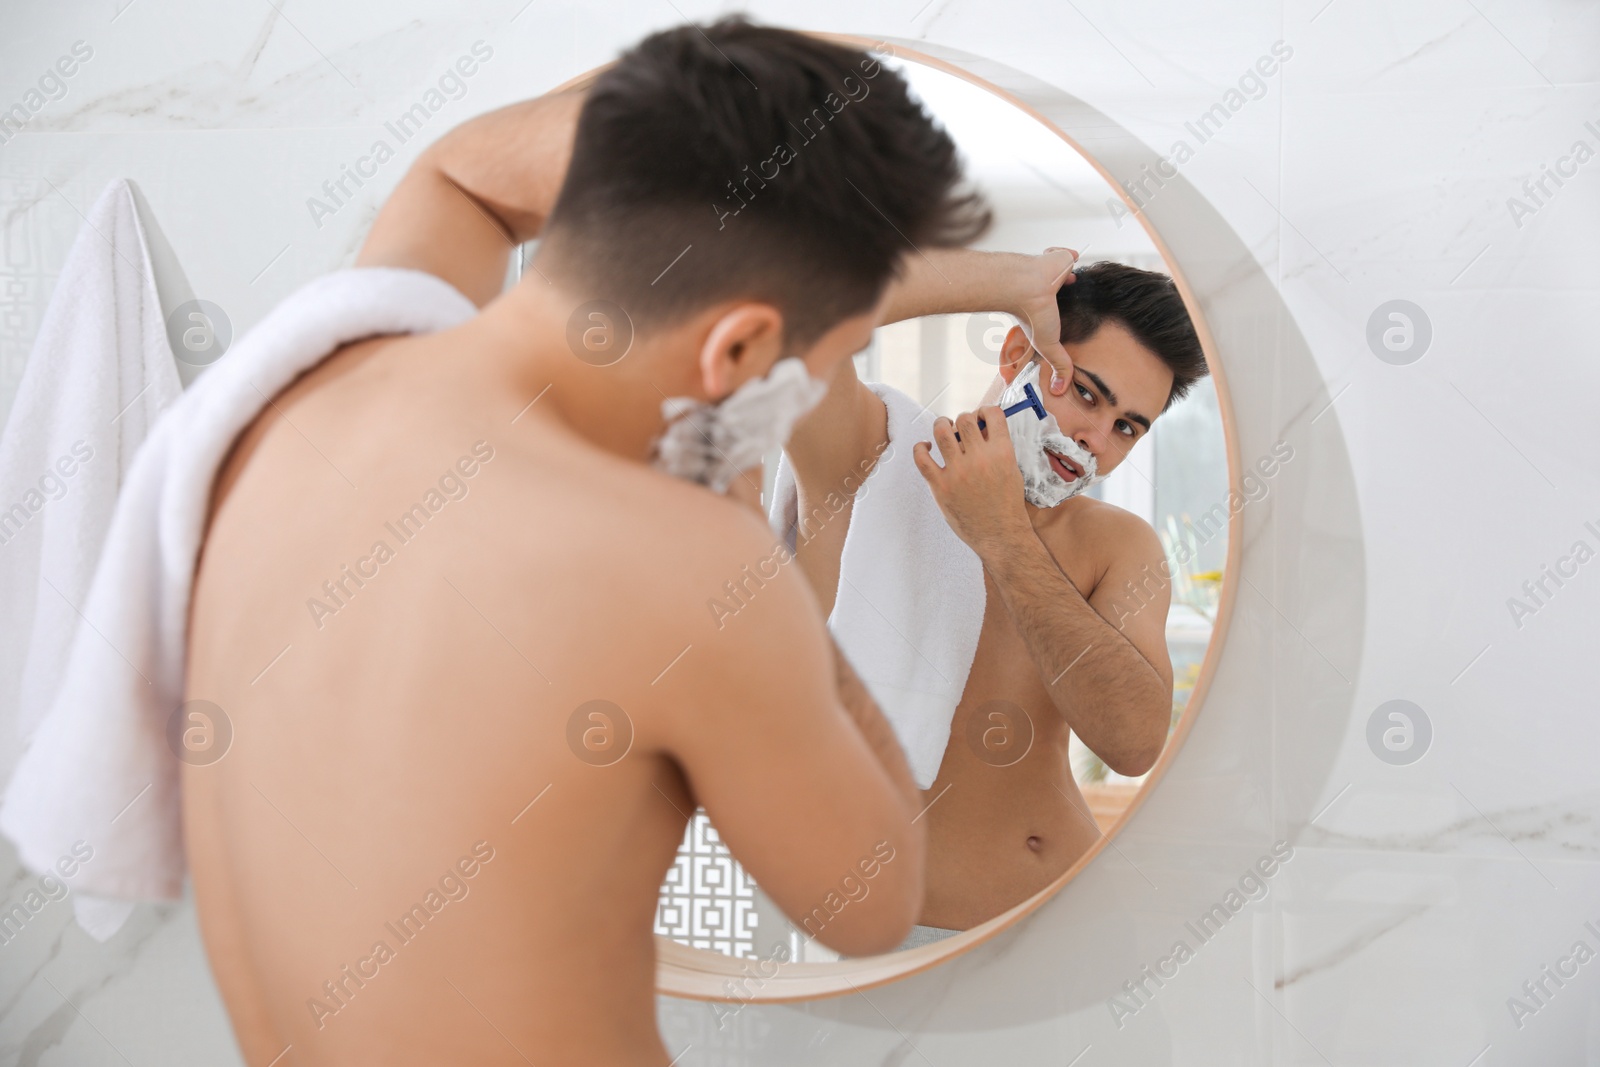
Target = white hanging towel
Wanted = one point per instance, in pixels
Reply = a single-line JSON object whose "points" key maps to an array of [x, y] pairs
{"points": [[911, 597], [99, 375], [98, 769]]}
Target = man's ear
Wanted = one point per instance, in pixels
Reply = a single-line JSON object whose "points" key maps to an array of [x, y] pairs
{"points": [[744, 341], [1015, 351]]}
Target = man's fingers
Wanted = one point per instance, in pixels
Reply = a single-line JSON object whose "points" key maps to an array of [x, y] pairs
{"points": [[928, 467], [944, 432], [1044, 325], [1059, 363], [967, 423], [1063, 260], [994, 417]]}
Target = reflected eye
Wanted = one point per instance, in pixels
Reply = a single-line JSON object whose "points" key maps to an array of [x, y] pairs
{"points": [[1083, 392], [1124, 427]]}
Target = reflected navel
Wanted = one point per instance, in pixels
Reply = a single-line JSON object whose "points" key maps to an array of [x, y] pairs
{"points": [[1035, 843]]}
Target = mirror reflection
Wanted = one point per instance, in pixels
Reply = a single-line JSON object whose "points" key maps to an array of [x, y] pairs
{"points": [[1033, 668]]}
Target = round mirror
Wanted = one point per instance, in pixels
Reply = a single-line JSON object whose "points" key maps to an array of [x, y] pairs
{"points": [[1030, 781]]}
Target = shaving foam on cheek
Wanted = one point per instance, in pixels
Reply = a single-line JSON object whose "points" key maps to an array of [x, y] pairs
{"points": [[1032, 437], [712, 443]]}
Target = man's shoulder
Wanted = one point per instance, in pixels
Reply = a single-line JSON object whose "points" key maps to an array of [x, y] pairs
{"points": [[1107, 534], [674, 524], [711, 571], [653, 560]]}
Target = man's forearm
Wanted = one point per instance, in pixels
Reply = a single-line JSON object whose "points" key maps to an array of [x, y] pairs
{"points": [[876, 729], [950, 281], [1110, 695]]}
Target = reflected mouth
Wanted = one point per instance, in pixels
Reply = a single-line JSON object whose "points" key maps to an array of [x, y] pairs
{"points": [[1064, 467]]}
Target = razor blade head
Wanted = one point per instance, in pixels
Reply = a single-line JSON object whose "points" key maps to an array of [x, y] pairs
{"points": [[1031, 402]]}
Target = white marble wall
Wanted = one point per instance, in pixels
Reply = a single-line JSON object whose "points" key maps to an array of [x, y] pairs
{"points": [[1377, 166]]}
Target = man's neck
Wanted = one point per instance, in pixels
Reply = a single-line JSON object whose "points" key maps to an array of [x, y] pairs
{"points": [[616, 408]]}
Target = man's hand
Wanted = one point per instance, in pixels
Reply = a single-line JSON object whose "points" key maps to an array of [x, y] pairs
{"points": [[1041, 319], [979, 488]]}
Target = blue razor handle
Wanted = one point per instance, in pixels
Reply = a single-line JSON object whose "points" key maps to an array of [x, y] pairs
{"points": [[1032, 401]]}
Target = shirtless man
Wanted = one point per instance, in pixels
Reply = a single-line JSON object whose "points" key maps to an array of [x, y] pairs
{"points": [[427, 845], [1063, 643]]}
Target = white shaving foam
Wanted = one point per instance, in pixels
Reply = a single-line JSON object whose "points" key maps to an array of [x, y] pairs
{"points": [[711, 443], [1032, 437]]}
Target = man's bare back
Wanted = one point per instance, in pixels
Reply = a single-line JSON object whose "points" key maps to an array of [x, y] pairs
{"points": [[444, 678], [421, 731]]}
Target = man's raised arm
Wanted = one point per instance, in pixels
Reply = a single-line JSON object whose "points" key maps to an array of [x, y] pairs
{"points": [[954, 280], [829, 442], [836, 445], [476, 193]]}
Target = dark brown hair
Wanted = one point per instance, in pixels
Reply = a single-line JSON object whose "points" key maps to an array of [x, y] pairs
{"points": [[1144, 302], [733, 161]]}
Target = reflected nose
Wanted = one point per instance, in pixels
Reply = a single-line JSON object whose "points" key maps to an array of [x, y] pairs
{"points": [[1101, 442]]}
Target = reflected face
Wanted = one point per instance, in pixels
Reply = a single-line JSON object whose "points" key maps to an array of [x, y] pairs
{"points": [[1118, 388]]}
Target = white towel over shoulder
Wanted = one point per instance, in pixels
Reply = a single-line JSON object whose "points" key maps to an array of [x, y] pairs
{"points": [[98, 769], [911, 596]]}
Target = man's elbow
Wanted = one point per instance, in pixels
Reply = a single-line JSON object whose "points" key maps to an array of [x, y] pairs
{"points": [[1137, 762], [876, 940], [872, 924], [1143, 751]]}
